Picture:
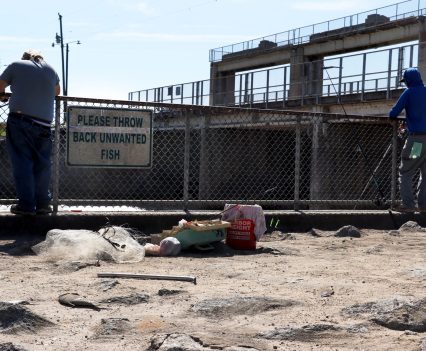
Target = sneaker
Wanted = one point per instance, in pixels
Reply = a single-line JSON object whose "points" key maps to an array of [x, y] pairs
{"points": [[44, 210], [16, 209]]}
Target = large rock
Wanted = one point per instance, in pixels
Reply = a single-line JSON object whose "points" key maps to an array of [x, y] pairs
{"points": [[409, 316]]}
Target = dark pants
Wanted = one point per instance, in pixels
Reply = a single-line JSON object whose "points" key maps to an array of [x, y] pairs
{"points": [[408, 169], [30, 147]]}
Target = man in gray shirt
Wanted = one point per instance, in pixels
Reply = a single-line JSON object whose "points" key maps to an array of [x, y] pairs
{"points": [[34, 85]]}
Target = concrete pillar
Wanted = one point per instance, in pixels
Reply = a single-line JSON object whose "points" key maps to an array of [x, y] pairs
{"points": [[204, 174], [222, 87], [296, 73], [316, 176], [306, 74], [315, 76], [422, 47]]}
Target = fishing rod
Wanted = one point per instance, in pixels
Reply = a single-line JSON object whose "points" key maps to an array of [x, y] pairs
{"points": [[380, 200]]}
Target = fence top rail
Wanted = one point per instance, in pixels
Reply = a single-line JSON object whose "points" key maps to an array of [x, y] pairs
{"points": [[201, 110], [294, 37]]}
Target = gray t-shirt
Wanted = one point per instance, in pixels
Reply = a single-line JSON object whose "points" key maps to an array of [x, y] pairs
{"points": [[33, 88]]}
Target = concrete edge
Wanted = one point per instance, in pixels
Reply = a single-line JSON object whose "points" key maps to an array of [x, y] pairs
{"points": [[150, 222]]}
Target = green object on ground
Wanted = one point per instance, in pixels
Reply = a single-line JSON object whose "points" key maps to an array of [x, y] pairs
{"points": [[189, 237]]}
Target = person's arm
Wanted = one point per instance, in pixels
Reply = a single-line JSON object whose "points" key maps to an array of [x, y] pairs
{"points": [[400, 105], [57, 89]]}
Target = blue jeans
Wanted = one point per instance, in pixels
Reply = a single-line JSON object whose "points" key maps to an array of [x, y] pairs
{"points": [[30, 148]]}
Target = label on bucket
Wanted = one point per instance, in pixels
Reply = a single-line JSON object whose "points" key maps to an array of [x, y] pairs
{"points": [[240, 235]]}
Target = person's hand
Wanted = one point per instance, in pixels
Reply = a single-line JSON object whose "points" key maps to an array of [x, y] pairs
{"points": [[402, 131], [3, 97]]}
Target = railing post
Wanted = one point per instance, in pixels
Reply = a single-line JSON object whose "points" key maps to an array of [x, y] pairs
{"points": [[201, 92], [340, 76], [56, 155], [240, 76], [267, 88], [284, 85], [186, 161], [181, 94], [364, 64], [251, 89], [388, 88], [192, 100], [297, 166]]}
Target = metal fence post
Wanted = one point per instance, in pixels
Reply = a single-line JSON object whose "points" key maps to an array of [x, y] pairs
{"points": [[394, 161], [297, 167], [186, 161], [56, 155]]}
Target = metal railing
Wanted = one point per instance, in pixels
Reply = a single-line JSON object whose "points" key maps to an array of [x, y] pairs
{"points": [[360, 73], [204, 157], [302, 35]]}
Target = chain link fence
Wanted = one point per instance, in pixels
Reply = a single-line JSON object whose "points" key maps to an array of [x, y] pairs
{"points": [[204, 157]]}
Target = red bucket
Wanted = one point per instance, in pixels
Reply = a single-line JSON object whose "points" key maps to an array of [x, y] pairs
{"points": [[240, 235]]}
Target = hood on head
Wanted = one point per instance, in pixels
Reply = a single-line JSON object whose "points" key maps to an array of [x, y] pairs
{"points": [[412, 77]]}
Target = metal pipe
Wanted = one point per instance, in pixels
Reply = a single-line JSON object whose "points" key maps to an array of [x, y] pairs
{"points": [[183, 278]]}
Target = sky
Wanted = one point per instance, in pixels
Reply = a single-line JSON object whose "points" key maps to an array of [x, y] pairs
{"points": [[130, 45]]}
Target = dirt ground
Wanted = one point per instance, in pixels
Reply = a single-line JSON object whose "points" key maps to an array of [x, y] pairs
{"points": [[289, 294]]}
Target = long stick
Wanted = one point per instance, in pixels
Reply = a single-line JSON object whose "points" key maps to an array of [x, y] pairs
{"points": [[183, 278]]}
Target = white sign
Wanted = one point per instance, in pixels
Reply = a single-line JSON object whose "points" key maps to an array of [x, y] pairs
{"points": [[108, 137]]}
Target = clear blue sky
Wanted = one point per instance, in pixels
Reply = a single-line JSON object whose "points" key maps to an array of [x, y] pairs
{"points": [[130, 45]]}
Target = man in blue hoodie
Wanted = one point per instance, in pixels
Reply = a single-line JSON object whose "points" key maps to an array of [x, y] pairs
{"points": [[413, 156]]}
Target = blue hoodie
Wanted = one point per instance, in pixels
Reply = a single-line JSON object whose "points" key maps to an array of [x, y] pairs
{"points": [[413, 100]]}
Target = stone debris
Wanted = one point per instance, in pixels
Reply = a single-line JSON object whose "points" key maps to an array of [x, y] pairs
{"points": [[304, 333], [423, 345], [132, 299], [312, 332], [327, 293], [319, 233], [108, 284], [184, 342], [168, 292], [348, 231], [17, 318], [418, 272], [8, 346], [396, 314], [239, 306], [411, 226], [409, 316], [372, 308], [394, 233], [375, 249], [75, 266], [111, 327]]}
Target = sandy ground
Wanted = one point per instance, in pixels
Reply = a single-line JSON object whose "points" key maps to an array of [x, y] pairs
{"points": [[311, 279]]}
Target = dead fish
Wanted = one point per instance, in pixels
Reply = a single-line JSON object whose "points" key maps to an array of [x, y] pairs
{"points": [[76, 301]]}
